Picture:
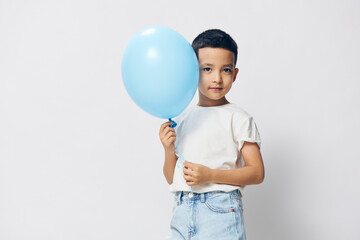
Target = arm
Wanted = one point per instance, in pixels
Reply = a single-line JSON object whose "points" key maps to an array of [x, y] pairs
{"points": [[168, 137], [252, 173], [169, 166]]}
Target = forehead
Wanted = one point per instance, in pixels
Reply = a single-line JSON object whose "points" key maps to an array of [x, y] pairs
{"points": [[216, 56]]}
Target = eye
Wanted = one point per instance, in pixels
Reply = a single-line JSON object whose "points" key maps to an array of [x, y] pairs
{"points": [[207, 69], [228, 70]]}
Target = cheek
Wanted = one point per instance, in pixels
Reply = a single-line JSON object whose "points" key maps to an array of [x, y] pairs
{"points": [[228, 87], [228, 81], [202, 82]]}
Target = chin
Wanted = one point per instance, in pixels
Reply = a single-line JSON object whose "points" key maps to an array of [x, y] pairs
{"points": [[216, 96]]}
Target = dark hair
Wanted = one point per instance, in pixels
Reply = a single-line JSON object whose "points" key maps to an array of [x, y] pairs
{"points": [[215, 38]]}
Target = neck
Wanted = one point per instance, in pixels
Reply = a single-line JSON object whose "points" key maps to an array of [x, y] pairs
{"points": [[212, 103]]}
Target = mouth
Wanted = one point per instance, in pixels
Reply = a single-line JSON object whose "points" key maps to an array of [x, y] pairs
{"points": [[216, 89]]}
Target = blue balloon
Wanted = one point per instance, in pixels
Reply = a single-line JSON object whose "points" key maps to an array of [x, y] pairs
{"points": [[160, 71]]}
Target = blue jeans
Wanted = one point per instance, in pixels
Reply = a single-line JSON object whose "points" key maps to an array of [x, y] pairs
{"points": [[213, 215]]}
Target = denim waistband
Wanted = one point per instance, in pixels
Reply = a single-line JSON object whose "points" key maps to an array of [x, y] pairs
{"points": [[186, 195]]}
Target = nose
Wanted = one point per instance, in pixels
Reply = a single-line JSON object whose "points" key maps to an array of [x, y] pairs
{"points": [[217, 77]]}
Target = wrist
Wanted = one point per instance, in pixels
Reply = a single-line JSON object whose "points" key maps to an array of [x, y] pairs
{"points": [[212, 175], [170, 154], [169, 151]]}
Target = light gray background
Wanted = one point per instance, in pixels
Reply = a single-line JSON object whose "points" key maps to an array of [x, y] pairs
{"points": [[79, 160]]}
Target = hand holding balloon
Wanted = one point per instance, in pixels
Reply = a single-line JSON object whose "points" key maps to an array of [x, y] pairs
{"points": [[168, 137]]}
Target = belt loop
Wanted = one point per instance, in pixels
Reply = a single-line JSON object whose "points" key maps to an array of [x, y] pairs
{"points": [[202, 197], [240, 193]]}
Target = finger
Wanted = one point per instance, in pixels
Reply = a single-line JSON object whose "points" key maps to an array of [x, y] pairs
{"points": [[187, 171], [166, 134], [168, 130], [164, 125], [187, 164], [190, 163], [187, 167], [171, 140], [187, 178], [170, 134], [191, 166], [190, 183]]}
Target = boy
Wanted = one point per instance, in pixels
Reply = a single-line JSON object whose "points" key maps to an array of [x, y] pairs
{"points": [[221, 145]]}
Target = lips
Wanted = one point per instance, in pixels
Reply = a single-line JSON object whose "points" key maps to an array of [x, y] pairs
{"points": [[214, 89]]}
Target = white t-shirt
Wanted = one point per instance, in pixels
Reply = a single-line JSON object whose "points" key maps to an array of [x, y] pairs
{"points": [[213, 137]]}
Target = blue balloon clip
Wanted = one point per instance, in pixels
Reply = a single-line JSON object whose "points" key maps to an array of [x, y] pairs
{"points": [[174, 124]]}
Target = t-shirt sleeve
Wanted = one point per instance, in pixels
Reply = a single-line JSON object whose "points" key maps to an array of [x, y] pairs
{"points": [[247, 131]]}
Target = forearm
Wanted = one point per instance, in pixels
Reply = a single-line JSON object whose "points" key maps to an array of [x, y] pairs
{"points": [[247, 175], [169, 166]]}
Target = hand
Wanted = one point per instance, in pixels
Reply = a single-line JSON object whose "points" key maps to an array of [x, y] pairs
{"points": [[168, 137], [196, 174]]}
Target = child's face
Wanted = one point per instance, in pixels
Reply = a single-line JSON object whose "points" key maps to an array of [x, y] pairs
{"points": [[217, 73]]}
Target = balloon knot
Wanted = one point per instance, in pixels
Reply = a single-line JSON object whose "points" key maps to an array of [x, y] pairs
{"points": [[174, 124]]}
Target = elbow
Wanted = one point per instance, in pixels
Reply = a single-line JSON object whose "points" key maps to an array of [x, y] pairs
{"points": [[168, 179], [259, 178]]}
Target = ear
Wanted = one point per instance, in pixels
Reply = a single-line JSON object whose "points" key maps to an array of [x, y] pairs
{"points": [[235, 73]]}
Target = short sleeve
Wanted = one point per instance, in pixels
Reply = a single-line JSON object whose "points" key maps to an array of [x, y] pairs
{"points": [[247, 131]]}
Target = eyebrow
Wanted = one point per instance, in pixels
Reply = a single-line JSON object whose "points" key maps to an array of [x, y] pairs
{"points": [[209, 64]]}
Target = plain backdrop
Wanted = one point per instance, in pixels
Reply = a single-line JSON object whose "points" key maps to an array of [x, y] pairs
{"points": [[79, 160]]}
